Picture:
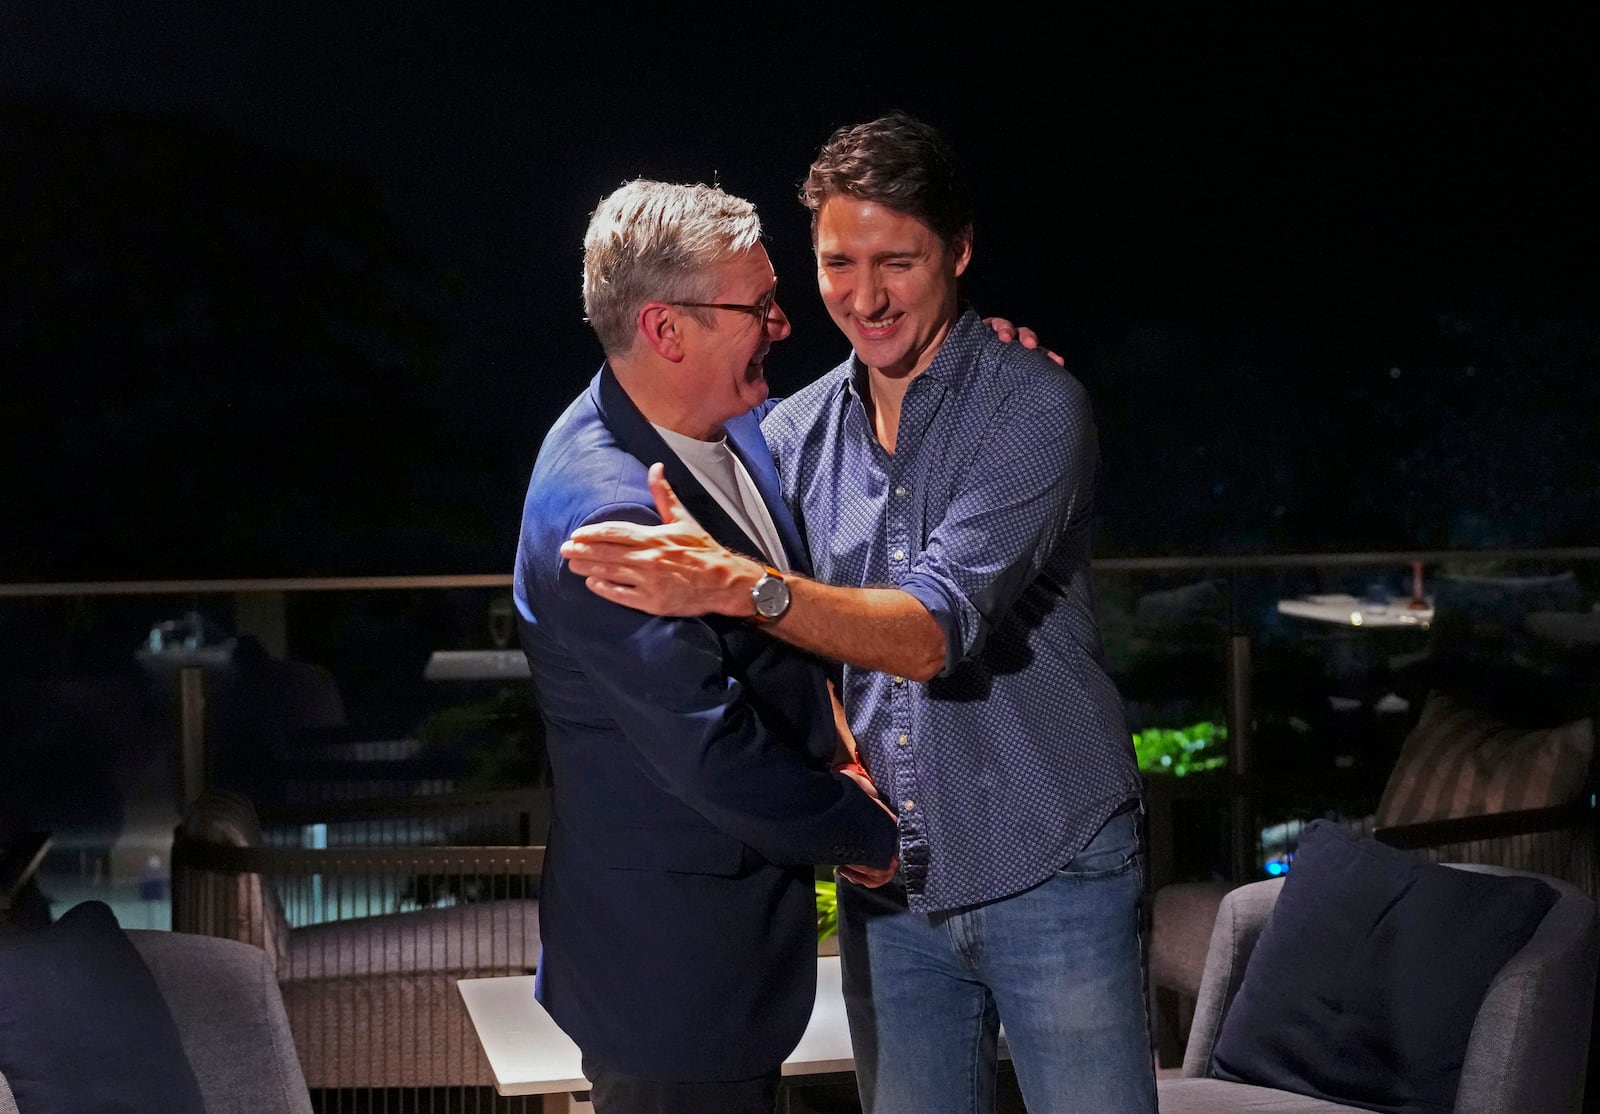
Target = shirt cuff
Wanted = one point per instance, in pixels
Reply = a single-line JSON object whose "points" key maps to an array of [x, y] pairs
{"points": [[947, 608]]}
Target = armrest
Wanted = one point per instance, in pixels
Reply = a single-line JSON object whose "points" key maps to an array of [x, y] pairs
{"points": [[1531, 1037], [225, 999], [1241, 917], [488, 816], [191, 854], [1494, 825]]}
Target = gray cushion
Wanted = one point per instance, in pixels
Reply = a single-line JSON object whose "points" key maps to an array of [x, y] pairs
{"points": [[1460, 761], [1213, 1096]]}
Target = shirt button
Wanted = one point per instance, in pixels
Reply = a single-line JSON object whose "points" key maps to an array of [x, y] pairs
{"points": [[899, 680], [899, 555], [899, 489], [904, 739], [910, 804]]}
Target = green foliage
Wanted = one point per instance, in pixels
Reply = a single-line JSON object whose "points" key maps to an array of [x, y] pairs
{"points": [[1181, 750], [827, 909]]}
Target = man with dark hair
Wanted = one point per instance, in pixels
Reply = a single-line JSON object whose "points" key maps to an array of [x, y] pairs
{"points": [[945, 482], [692, 759]]}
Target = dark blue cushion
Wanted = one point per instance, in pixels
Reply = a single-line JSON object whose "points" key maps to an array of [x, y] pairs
{"points": [[1367, 978], [83, 1026]]}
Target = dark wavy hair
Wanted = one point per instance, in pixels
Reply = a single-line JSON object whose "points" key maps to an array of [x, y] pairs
{"points": [[898, 161]]}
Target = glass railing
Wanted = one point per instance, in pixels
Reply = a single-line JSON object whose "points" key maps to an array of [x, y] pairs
{"points": [[119, 701], [1262, 691], [1266, 691]]}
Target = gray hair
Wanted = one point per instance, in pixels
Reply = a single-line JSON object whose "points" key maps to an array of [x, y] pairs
{"points": [[655, 241]]}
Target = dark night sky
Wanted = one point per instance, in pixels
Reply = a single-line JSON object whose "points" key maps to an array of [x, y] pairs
{"points": [[1330, 277]]}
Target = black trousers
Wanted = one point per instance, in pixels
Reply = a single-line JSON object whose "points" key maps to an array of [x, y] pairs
{"points": [[613, 1093]]}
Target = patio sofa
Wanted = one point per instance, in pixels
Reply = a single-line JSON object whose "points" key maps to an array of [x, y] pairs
{"points": [[367, 941]]}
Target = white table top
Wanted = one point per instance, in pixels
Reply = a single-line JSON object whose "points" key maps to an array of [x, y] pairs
{"points": [[526, 1049], [530, 1055], [177, 657], [475, 665], [1350, 611]]}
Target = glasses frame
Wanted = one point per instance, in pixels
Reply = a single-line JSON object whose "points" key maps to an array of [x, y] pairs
{"points": [[760, 310]]}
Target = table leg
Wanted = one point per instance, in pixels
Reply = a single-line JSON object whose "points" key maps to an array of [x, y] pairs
{"points": [[1240, 721]]}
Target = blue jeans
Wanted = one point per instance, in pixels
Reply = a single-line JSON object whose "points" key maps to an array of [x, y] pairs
{"points": [[1059, 965]]}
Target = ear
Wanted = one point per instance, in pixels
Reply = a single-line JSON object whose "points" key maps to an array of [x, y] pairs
{"points": [[961, 250], [658, 324]]}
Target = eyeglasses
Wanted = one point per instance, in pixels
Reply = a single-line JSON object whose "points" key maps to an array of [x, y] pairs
{"points": [[761, 310]]}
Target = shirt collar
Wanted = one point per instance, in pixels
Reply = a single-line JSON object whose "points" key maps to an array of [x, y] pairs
{"points": [[950, 361]]}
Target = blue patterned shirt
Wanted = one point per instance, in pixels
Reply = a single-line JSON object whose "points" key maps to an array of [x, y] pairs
{"points": [[1003, 766]]}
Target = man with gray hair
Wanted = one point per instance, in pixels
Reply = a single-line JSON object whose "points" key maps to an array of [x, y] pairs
{"points": [[698, 769]]}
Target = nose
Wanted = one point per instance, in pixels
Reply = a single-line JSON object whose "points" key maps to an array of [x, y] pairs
{"points": [[776, 326], [866, 298]]}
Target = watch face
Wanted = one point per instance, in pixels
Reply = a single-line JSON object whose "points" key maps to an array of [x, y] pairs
{"points": [[771, 597]]}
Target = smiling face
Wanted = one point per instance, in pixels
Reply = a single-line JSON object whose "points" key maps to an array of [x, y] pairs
{"points": [[726, 353], [888, 281]]}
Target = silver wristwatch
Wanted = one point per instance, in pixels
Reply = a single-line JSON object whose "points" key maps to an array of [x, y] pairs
{"points": [[770, 595]]}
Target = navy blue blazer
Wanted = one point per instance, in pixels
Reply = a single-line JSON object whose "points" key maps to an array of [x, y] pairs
{"points": [[691, 794]]}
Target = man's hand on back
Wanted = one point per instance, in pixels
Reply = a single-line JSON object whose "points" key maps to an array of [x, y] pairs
{"points": [[1008, 332], [675, 568]]}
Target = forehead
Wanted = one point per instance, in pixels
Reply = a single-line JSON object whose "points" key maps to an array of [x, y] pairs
{"points": [[750, 269], [852, 226]]}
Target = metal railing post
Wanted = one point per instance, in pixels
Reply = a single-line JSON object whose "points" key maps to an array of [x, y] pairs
{"points": [[192, 772], [1243, 836]]}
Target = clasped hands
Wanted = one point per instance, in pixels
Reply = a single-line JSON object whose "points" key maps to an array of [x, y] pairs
{"points": [[868, 876]]}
